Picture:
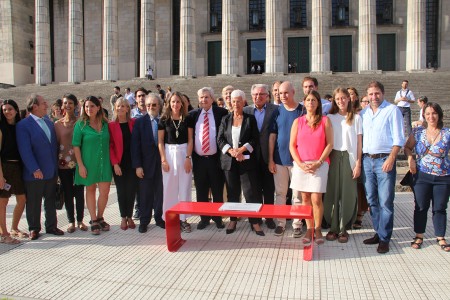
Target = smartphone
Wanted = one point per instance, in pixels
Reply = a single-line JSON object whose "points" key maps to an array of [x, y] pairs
{"points": [[6, 186]]}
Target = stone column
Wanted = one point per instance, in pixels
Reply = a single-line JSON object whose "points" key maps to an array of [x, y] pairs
{"points": [[110, 40], [320, 37], [42, 43], [416, 35], [187, 39], [274, 38], [76, 42], [148, 37], [230, 38], [367, 36]]}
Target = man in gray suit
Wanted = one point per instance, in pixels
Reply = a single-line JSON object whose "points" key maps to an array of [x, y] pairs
{"points": [[263, 111]]}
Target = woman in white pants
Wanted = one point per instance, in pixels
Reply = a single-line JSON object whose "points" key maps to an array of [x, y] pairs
{"points": [[175, 142]]}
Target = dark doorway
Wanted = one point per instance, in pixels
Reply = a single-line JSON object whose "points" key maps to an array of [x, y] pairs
{"points": [[386, 52], [341, 53], [214, 58], [256, 56], [298, 55]]}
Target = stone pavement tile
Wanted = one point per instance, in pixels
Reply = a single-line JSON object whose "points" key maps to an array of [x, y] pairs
{"points": [[134, 291]]}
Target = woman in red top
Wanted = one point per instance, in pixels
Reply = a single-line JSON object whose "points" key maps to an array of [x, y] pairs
{"points": [[120, 129]]}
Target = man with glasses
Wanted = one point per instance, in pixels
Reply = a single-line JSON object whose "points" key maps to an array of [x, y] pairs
{"points": [[364, 101], [263, 111]]}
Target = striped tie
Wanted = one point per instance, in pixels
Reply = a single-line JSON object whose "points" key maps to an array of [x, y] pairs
{"points": [[205, 137]]}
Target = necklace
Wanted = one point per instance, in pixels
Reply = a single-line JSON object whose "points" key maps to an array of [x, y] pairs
{"points": [[435, 137], [176, 127]]}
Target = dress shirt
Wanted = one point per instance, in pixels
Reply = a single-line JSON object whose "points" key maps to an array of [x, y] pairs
{"points": [[130, 98], [154, 122], [43, 125], [382, 130], [136, 113], [212, 133], [259, 116], [326, 106], [404, 93]]}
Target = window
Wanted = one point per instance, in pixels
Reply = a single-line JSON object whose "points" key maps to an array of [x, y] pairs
{"points": [[432, 13], [215, 15], [32, 70], [297, 13], [384, 12], [340, 13], [257, 17]]}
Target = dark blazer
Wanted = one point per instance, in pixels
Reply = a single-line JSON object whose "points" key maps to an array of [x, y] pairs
{"points": [[218, 113], [37, 152], [249, 134], [263, 149], [144, 150], [116, 140]]}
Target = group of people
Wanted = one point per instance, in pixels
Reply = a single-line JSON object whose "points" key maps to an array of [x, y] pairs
{"points": [[337, 156]]}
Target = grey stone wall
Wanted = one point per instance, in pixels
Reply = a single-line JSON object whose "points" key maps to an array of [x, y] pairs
{"points": [[93, 20]]}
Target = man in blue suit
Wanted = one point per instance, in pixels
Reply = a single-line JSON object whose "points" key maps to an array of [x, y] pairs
{"points": [[36, 140], [147, 161]]}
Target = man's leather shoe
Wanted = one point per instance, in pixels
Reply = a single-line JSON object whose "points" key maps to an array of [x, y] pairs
{"points": [[372, 241], [220, 225], [383, 247], [142, 228], [270, 224], [202, 225], [161, 224], [55, 231], [34, 235]]}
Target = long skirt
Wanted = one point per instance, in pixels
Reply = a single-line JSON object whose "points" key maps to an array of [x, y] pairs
{"points": [[340, 201]]}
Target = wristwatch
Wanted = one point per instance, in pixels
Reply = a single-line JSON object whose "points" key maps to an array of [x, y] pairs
{"points": [[189, 156]]}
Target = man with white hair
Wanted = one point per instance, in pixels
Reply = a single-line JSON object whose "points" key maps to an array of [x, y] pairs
{"points": [[205, 157]]}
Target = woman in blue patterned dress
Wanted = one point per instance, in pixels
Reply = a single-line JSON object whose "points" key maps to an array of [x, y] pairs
{"points": [[431, 142]]}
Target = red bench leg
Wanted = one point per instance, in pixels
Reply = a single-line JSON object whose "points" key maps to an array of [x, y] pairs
{"points": [[173, 231], [308, 250]]}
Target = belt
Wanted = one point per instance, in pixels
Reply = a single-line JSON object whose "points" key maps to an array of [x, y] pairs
{"points": [[378, 155]]}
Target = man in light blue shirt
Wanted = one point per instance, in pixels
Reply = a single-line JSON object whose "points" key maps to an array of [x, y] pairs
{"points": [[382, 139], [312, 84]]}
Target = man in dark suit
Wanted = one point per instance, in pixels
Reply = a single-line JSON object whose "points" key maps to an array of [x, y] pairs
{"points": [[36, 140], [263, 111], [147, 161], [205, 157]]}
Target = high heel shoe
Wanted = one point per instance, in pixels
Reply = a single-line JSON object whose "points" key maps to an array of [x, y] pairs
{"points": [[258, 232], [231, 229]]}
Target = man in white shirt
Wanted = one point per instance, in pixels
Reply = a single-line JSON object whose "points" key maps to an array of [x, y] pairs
{"points": [[403, 99], [130, 97]]}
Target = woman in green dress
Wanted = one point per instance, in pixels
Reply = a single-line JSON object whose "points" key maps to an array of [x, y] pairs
{"points": [[91, 147]]}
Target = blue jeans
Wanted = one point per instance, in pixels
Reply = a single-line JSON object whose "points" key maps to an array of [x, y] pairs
{"points": [[380, 193], [430, 188]]}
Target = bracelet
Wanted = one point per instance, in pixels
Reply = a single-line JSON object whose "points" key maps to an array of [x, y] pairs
{"points": [[189, 156], [320, 161]]}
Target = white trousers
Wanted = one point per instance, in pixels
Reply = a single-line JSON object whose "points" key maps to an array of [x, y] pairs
{"points": [[177, 183]]}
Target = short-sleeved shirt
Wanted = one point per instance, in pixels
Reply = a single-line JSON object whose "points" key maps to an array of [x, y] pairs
{"points": [[94, 148], [281, 125], [434, 160], [170, 128]]}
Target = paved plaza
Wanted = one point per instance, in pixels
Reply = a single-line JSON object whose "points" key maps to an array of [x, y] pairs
{"points": [[212, 265]]}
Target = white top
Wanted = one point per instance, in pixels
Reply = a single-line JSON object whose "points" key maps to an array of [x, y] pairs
{"points": [[405, 93], [199, 133], [421, 115], [130, 98], [235, 134], [346, 136]]}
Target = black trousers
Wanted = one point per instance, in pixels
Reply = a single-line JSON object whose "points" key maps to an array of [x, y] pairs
{"points": [[236, 180], [158, 201], [208, 175], [126, 190], [35, 191], [67, 176], [266, 183]]}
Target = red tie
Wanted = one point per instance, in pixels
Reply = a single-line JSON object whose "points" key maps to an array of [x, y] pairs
{"points": [[205, 137]]}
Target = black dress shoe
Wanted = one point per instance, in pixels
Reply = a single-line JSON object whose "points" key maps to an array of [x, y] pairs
{"points": [[55, 231], [220, 225], [258, 232], [161, 224], [383, 247], [270, 224], [34, 235], [142, 228], [202, 225], [231, 229], [372, 241]]}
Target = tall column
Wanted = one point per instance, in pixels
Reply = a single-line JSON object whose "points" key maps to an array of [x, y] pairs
{"points": [[110, 40], [274, 38], [76, 45], [367, 36], [416, 35], [230, 38], [320, 37], [148, 37], [42, 47], [187, 39]]}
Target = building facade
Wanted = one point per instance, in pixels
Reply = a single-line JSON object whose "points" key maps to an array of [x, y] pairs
{"points": [[48, 41]]}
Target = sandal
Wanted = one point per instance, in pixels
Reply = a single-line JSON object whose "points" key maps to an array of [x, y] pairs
{"points": [[357, 224], [307, 237], [105, 226], [445, 247], [417, 243], [8, 240], [185, 226], [130, 223], [18, 233], [319, 237], [95, 227], [331, 236], [82, 226], [71, 228], [343, 237]]}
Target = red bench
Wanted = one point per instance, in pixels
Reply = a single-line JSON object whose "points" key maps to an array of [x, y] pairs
{"points": [[173, 231]]}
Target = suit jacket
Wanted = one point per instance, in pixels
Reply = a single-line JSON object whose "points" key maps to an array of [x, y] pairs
{"points": [[263, 149], [36, 151], [116, 140], [218, 113], [144, 150], [249, 134]]}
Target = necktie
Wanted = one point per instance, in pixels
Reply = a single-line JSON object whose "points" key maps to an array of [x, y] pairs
{"points": [[155, 130], [45, 128], [205, 136]]}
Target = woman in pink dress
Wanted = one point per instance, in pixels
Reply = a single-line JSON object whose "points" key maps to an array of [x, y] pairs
{"points": [[310, 145]]}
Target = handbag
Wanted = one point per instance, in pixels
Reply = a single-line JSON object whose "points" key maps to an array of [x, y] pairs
{"points": [[59, 203], [408, 180]]}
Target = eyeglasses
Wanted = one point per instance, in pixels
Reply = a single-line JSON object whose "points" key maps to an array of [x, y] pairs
{"points": [[152, 105], [259, 94], [365, 101]]}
